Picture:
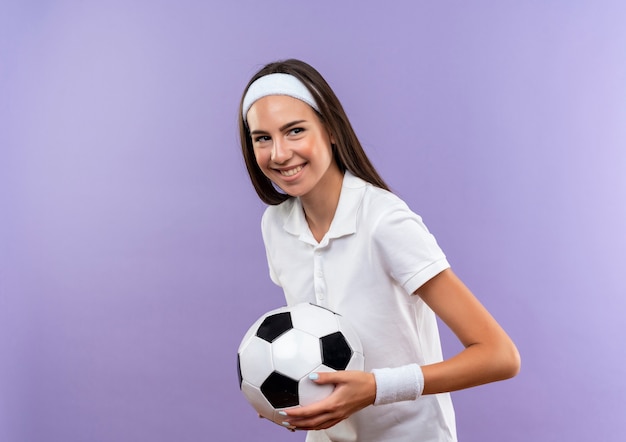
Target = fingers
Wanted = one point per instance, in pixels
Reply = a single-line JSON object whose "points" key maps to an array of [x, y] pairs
{"points": [[332, 377], [317, 422], [289, 426], [317, 416], [353, 391]]}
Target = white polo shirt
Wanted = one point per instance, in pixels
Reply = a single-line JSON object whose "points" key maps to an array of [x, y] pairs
{"points": [[376, 253]]}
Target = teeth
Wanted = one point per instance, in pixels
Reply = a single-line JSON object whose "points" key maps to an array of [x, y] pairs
{"points": [[291, 172]]}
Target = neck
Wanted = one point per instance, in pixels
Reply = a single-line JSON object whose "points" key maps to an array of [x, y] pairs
{"points": [[320, 206]]}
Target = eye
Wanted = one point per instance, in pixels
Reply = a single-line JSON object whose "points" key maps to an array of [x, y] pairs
{"points": [[262, 138], [296, 131]]}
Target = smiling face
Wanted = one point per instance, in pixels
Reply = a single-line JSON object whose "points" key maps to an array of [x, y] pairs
{"points": [[291, 145]]}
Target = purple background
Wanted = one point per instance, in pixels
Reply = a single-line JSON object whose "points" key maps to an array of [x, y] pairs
{"points": [[131, 261]]}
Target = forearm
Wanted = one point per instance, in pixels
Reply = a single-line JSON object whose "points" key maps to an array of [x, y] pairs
{"points": [[489, 354], [477, 364]]}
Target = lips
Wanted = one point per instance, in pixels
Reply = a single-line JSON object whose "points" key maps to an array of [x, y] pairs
{"points": [[291, 172]]}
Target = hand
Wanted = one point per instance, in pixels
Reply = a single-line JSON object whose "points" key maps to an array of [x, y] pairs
{"points": [[353, 391]]}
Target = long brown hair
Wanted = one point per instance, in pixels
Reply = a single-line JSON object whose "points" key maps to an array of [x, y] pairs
{"points": [[347, 152]]}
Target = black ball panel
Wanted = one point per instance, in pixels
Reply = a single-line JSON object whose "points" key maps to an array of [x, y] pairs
{"points": [[239, 370], [280, 390], [336, 351], [275, 325]]}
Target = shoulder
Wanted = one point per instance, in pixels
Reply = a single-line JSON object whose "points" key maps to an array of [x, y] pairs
{"points": [[387, 215], [276, 216], [381, 204], [277, 211], [373, 200]]}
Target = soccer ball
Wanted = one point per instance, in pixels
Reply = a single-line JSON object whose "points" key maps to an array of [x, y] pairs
{"points": [[284, 346]]}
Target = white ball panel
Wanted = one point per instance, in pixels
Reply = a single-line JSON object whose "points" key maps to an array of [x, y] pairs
{"points": [[314, 320], [278, 418], [251, 331], [350, 334], [257, 400], [310, 392], [254, 327], [357, 362], [296, 353], [255, 359]]}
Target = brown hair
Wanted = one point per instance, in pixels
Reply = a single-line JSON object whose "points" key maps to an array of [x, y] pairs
{"points": [[347, 152]]}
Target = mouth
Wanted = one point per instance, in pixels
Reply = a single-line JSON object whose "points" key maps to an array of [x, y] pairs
{"points": [[291, 172]]}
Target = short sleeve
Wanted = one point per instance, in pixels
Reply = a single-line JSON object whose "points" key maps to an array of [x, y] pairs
{"points": [[409, 252]]}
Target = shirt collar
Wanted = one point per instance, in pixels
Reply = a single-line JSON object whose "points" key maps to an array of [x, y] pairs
{"points": [[344, 222]]}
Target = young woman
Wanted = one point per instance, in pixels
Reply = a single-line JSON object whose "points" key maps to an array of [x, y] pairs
{"points": [[336, 236]]}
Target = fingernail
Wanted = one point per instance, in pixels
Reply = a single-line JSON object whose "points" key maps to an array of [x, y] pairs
{"points": [[314, 376], [286, 424], [282, 413]]}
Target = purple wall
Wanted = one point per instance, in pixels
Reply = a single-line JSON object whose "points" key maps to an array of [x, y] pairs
{"points": [[131, 261]]}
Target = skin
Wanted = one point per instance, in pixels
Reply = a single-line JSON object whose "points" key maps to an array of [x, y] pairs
{"points": [[287, 134]]}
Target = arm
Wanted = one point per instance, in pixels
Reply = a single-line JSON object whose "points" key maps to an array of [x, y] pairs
{"points": [[489, 353], [489, 356]]}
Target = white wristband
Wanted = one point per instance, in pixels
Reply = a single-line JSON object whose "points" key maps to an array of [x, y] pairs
{"points": [[404, 383]]}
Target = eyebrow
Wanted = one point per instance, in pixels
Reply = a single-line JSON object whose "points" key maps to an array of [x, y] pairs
{"points": [[281, 128]]}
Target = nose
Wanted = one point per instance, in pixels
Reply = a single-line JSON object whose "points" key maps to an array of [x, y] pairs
{"points": [[280, 152]]}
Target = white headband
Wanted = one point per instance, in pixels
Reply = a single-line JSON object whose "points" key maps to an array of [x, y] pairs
{"points": [[277, 84]]}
